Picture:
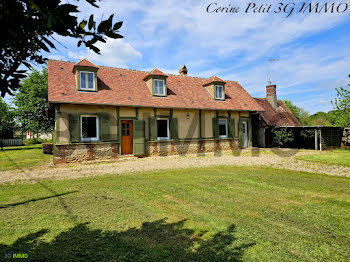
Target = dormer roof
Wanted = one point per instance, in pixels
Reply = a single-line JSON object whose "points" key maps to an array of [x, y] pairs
{"points": [[213, 79], [155, 72], [85, 63]]}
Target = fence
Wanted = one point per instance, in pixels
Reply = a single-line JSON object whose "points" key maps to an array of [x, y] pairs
{"points": [[11, 142]]}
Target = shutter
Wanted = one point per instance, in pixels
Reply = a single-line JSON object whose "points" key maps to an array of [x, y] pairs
{"points": [[232, 128], [104, 127], [174, 128], [74, 128], [215, 128], [250, 132], [152, 128], [240, 133], [139, 137]]}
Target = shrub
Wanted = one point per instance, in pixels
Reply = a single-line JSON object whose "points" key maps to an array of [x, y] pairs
{"points": [[47, 148], [282, 136], [34, 141]]}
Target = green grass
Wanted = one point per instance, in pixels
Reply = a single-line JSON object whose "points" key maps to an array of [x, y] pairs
{"points": [[25, 158], [204, 214], [22, 147], [335, 157]]}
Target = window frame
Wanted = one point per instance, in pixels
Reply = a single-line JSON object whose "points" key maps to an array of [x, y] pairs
{"points": [[168, 129], [93, 82], [90, 139], [223, 92], [154, 87], [226, 127]]}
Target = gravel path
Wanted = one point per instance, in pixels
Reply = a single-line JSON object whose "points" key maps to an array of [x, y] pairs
{"points": [[283, 159]]}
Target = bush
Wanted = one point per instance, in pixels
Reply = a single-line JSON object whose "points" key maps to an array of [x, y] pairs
{"points": [[34, 141], [47, 148], [282, 136]]}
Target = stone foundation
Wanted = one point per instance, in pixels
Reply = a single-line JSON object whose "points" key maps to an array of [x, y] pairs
{"points": [[85, 152], [104, 151], [164, 148]]}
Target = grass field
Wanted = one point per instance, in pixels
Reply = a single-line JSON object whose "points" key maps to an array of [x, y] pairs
{"points": [[205, 214], [335, 157], [11, 159]]}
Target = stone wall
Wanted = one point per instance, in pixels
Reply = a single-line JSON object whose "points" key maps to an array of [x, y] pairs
{"points": [[86, 152], [183, 147]]}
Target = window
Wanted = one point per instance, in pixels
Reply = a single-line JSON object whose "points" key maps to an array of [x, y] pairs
{"points": [[223, 128], [219, 92], [89, 128], [159, 87], [163, 129], [87, 81]]}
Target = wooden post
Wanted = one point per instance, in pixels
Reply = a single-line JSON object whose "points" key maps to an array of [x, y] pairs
{"points": [[316, 131], [320, 140]]}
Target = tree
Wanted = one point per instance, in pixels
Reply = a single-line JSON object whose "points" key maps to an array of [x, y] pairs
{"points": [[29, 27], [282, 136], [341, 105], [298, 112], [6, 120], [320, 119], [32, 103]]}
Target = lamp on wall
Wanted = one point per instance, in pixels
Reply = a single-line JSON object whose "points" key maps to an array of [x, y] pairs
{"points": [[188, 115]]}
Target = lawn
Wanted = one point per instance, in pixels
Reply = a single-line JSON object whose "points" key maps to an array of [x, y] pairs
{"points": [[204, 214], [335, 157], [12, 159]]}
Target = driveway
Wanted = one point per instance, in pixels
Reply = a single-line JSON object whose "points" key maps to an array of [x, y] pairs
{"points": [[275, 158]]}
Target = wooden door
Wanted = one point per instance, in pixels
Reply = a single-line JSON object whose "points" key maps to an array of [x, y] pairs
{"points": [[126, 137]]}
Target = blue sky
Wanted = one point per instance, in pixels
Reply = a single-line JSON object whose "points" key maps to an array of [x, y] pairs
{"points": [[312, 50]]}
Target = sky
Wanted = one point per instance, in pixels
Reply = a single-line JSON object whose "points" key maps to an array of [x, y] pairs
{"points": [[310, 52]]}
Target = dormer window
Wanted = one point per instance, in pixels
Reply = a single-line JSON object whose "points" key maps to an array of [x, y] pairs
{"points": [[86, 75], [156, 82], [216, 87], [219, 92], [159, 87], [87, 81]]}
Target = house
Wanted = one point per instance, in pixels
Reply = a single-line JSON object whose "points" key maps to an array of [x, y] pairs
{"points": [[104, 112], [275, 114]]}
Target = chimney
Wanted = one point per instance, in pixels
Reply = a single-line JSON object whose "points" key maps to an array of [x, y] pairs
{"points": [[271, 95], [183, 70]]}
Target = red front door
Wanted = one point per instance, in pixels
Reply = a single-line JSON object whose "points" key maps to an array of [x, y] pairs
{"points": [[126, 137]]}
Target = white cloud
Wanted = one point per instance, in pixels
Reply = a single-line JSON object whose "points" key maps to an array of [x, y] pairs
{"points": [[115, 52]]}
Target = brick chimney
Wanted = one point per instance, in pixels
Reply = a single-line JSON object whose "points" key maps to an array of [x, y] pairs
{"points": [[183, 70], [271, 95]]}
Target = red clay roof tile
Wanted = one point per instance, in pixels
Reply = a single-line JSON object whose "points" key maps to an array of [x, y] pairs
{"points": [[85, 62], [124, 87], [281, 117], [213, 79]]}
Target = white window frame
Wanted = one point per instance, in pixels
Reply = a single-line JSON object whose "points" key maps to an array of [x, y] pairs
{"points": [[168, 129], [89, 139], [87, 83], [226, 125], [223, 92], [154, 87]]}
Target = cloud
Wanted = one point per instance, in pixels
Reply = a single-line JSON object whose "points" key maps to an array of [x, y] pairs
{"points": [[115, 52]]}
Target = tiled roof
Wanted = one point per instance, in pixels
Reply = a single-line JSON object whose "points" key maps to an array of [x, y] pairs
{"points": [[125, 87], [213, 79], [155, 72], [281, 117], [85, 62]]}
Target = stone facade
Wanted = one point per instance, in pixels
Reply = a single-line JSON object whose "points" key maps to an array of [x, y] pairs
{"points": [[86, 152], [183, 147]]}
